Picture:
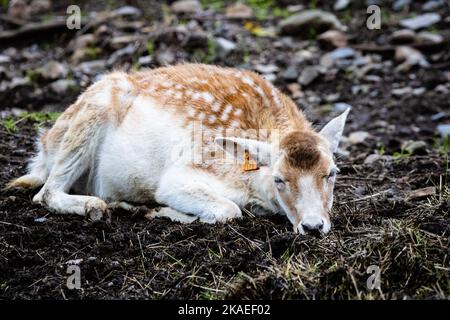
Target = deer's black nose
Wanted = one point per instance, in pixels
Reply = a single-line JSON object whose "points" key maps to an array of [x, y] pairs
{"points": [[308, 227]]}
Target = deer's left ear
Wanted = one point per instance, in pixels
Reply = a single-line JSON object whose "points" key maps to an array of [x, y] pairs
{"points": [[333, 130], [258, 150]]}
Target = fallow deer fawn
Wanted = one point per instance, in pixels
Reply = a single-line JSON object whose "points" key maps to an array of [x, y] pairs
{"points": [[142, 137]]}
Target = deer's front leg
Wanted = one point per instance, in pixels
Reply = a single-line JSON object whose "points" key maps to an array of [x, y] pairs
{"points": [[186, 191]]}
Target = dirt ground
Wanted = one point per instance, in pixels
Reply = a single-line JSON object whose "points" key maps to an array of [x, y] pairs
{"points": [[379, 219]]}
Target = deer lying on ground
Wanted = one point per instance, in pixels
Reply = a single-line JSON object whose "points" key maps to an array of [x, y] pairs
{"points": [[129, 139]]}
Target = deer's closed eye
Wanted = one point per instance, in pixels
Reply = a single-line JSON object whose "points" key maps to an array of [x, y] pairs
{"points": [[332, 174], [278, 180]]}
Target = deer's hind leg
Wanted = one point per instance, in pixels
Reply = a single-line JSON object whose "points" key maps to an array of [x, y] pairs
{"points": [[75, 157]]}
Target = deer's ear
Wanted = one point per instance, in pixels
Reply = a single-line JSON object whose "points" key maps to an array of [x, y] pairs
{"points": [[333, 130], [259, 151]]}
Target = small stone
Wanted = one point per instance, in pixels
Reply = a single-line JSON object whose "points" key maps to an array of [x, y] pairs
{"points": [[403, 36], [295, 8], [332, 58], [373, 78], [341, 5], [342, 53], [103, 31], [415, 147], [332, 97], [308, 75], [127, 11], [83, 41], [411, 57], [54, 70], [224, 47], [296, 90], [269, 68], [335, 38], [444, 130], [429, 37], [18, 82], [303, 56], [419, 91], [18, 9], [4, 59], [91, 67], [341, 107], [438, 116], [432, 5], [186, 6], [399, 5], [290, 74], [422, 21], [271, 77], [119, 54], [121, 41], [165, 57], [61, 86], [315, 19], [442, 88], [40, 6], [358, 137], [238, 10], [145, 61], [342, 153], [373, 158], [421, 193], [399, 92]]}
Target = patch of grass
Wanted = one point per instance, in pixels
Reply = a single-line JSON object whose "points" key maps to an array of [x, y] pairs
{"points": [[4, 3], [216, 5], [33, 75], [402, 154], [313, 4], [47, 17], [263, 9], [10, 125], [442, 146], [433, 29], [93, 52], [281, 12], [312, 33], [3, 285], [208, 56], [38, 118], [150, 47], [385, 18], [166, 15], [346, 16], [381, 149], [111, 4], [214, 255]]}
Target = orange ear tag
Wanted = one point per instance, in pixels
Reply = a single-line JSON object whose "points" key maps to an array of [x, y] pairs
{"points": [[248, 165]]}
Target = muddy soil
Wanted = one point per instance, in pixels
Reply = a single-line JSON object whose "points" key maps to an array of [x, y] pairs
{"points": [[378, 218]]}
